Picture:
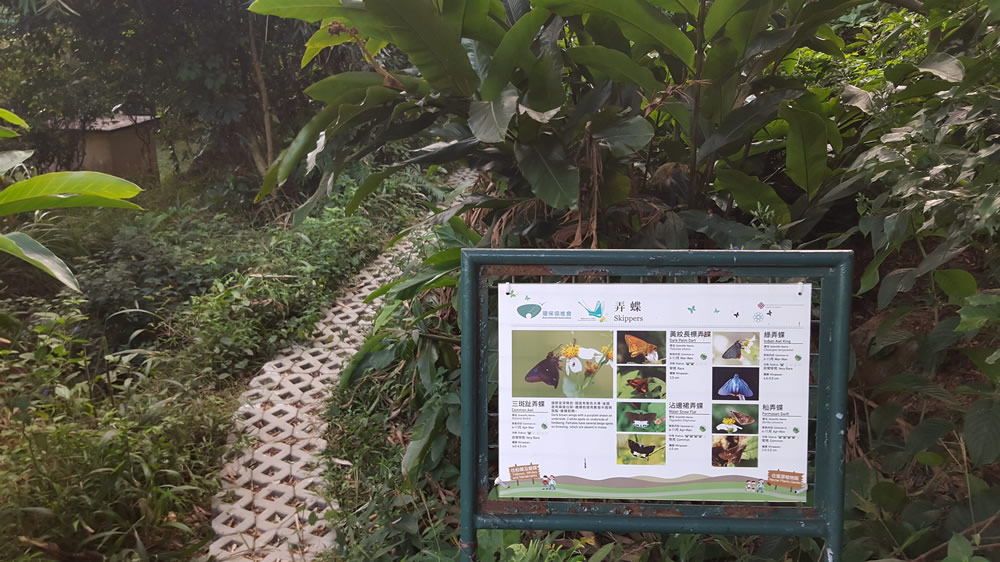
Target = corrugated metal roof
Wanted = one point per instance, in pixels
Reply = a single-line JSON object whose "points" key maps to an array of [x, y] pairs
{"points": [[110, 123]]}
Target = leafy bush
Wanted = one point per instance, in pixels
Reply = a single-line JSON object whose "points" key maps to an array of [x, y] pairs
{"points": [[115, 405]]}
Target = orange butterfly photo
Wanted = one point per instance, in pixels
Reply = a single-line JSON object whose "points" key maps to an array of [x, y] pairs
{"points": [[641, 348]]}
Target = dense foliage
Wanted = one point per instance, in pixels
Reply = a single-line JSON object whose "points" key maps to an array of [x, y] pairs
{"points": [[684, 123], [115, 405]]}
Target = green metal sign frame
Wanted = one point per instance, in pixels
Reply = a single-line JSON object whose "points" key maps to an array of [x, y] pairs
{"points": [[829, 270]]}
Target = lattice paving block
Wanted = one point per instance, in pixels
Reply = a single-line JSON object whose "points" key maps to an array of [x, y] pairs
{"points": [[317, 395], [255, 396], [287, 394], [233, 498], [279, 365], [232, 547], [309, 428], [267, 380], [233, 521], [281, 555], [275, 493], [275, 517], [273, 451], [271, 429], [246, 418], [234, 474]]}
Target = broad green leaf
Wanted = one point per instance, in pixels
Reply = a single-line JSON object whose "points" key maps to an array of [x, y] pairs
{"points": [[10, 117], [551, 175], [927, 433], [322, 38], [10, 159], [959, 547], [625, 136], [615, 189], [24, 247], [489, 119], [351, 87], [978, 311], [617, 66], [311, 10], [303, 142], [888, 496], [689, 7], [367, 187], [805, 153], [719, 13], [639, 21], [308, 55], [513, 50], [857, 97], [725, 233], [749, 191], [956, 283], [432, 39], [102, 190], [63, 201], [982, 431], [8, 133], [740, 124], [546, 92], [944, 66], [982, 357]]}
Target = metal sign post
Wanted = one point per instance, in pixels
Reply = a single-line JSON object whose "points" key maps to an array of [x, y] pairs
{"points": [[819, 513]]}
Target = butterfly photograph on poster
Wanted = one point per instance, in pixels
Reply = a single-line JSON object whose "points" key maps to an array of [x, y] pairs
{"points": [[735, 383], [646, 417], [732, 450], [738, 419], [642, 382], [561, 364], [639, 347], [642, 449], [736, 348]]}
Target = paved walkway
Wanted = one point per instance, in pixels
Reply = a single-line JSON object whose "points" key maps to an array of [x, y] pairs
{"points": [[270, 508]]}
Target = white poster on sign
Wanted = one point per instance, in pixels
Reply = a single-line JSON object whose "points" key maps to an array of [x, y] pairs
{"points": [[693, 392]]}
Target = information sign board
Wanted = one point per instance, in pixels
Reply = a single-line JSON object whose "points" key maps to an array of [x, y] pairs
{"points": [[688, 392], [709, 398]]}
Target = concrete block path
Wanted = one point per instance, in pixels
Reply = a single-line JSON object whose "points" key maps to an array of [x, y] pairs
{"points": [[270, 508]]}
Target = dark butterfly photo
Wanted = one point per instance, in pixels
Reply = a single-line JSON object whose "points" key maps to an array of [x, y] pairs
{"points": [[645, 448], [735, 383], [561, 364], [639, 450], [736, 348], [735, 418], [546, 371], [642, 382], [736, 451], [642, 416]]}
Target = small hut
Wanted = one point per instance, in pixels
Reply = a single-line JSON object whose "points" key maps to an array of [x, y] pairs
{"points": [[122, 145]]}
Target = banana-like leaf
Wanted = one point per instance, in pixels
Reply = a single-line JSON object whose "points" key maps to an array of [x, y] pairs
{"points": [[20, 245], [67, 189], [625, 136], [805, 153], [551, 175], [489, 119], [306, 10], [617, 66], [512, 52], [10, 117], [12, 158], [749, 191], [430, 34], [720, 12], [639, 21]]}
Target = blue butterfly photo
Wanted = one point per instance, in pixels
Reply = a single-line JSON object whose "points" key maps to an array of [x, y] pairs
{"points": [[735, 383]]}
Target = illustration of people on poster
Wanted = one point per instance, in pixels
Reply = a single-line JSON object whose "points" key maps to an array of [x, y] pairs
{"points": [[688, 392]]}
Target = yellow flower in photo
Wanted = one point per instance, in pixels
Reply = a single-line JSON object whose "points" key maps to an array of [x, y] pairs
{"points": [[607, 352], [570, 351]]}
